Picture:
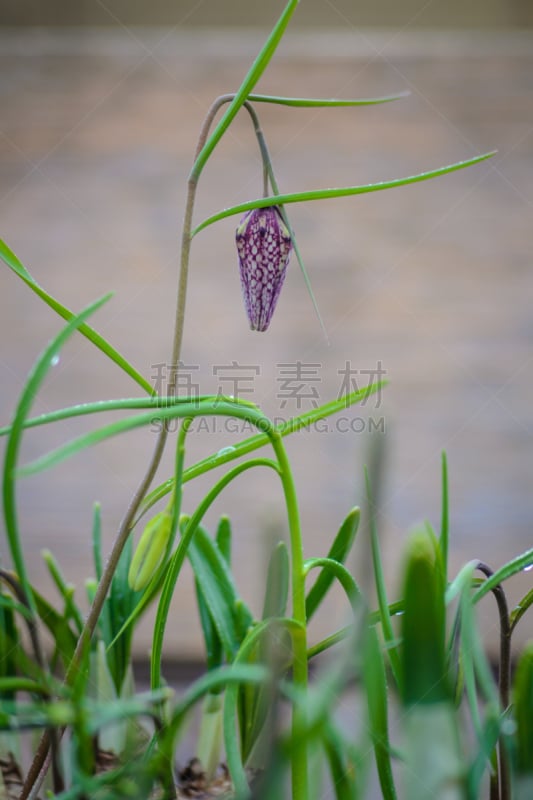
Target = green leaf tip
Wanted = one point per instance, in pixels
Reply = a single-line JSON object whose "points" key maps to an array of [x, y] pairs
{"points": [[344, 191], [16, 266], [523, 705], [423, 624], [325, 102], [256, 70]]}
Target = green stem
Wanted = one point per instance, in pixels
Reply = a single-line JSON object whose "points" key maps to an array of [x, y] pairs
{"points": [[300, 668]]}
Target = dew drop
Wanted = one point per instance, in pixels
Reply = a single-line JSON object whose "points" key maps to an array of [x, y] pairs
{"points": [[225, 451], [509, 727], [54, 361], [528, 568]]}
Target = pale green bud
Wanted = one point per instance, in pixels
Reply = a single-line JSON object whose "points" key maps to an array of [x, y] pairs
{"points": [[150, 551]]}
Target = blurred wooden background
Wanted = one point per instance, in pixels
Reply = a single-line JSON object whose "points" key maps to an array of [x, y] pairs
{"points": [[191, 13], [433, 281]]}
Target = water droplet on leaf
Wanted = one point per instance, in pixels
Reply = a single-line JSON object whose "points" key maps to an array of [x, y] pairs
{"points": [[225, 451], [509, 727]]}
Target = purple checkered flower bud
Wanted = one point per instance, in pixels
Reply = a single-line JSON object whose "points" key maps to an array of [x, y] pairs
{"points": [[264, 245]]}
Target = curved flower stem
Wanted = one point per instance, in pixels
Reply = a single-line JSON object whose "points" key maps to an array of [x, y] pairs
{"points": [[300, 668]]}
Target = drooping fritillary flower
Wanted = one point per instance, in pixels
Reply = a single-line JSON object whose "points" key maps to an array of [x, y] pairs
{"points": [[264, 246]]}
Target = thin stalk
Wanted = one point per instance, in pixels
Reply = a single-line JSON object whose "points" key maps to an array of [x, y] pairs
{"points": [[187, 223], [300, 668], [504, 673]]}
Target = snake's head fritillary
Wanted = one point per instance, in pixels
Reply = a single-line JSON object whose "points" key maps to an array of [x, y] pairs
{"points": [[264, 246]]}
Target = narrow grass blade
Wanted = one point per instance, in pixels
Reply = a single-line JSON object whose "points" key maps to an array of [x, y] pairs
{"points": [[344, 191], [121, 404], [65, 590], [35, 378], [15, 684], [424, 671], [179, 411], [18, 662], [261, 439], [277, 583], [323, 102], [19, 269], [58, 627], [342, 771], [209, 741], [375, 683], [217, 588], [521, 562], [250, 80], [97, 540], [9, 646], [445, 516], [7, 605], [213, 644], [523, 712], [120, 604], [520, 609], [339, 636], [338, 551], [215, 408], [305, 274], [462, 581], [379, 578], [480, 687], [488, 740], [223, 539], [105, 712], [333, 569], [433, 757], [318, 701], [472, 649]]}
